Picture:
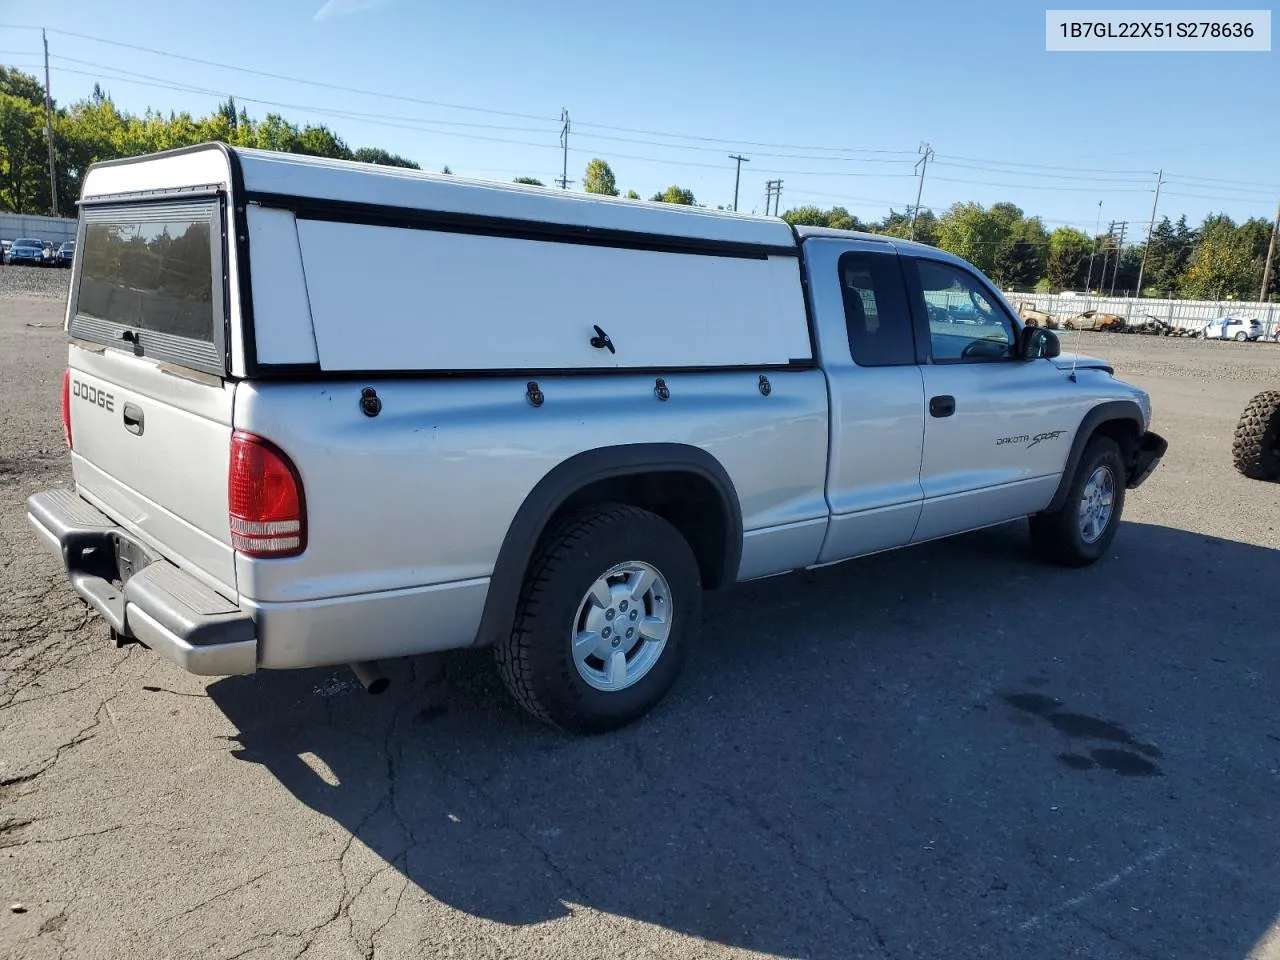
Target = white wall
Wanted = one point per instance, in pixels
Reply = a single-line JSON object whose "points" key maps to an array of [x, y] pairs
{"points": [[54, 229]]}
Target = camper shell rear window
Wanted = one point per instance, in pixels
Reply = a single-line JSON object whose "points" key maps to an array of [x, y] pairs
{"points": [[149, 278]]}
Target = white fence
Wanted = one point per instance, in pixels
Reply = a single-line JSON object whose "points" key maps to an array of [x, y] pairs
{"points": [[53, 229], [1187, 314]]}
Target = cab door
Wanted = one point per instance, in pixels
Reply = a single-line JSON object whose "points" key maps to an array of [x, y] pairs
{"points": [[867, 347], [997, 428]]}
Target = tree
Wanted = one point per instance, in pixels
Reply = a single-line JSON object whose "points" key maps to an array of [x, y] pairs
{"points": [[806, 217], [972, 232], [22, 149], [383, 158], [674, 194], [446, 170], [1021, 260], [899, 225], [1068, 253], [599, 178], [632, 195], [532, 181], [1225, 263]]}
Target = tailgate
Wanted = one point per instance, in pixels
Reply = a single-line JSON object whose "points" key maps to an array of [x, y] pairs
{"points": [[150, 413]]}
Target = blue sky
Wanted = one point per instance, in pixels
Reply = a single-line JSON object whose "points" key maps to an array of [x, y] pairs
{"points": [[1055, 133]]}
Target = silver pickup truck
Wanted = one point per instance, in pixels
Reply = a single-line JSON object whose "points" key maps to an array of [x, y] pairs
{"points": [[545, 425]]}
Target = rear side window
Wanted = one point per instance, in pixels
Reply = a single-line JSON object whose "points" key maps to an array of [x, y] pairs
{"points": [[876, 311], [155, 271]]}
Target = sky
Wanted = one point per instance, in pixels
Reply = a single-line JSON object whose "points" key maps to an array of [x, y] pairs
{"points": [[833, 98]]}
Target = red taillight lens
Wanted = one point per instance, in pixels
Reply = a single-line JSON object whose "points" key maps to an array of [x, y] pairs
{"points": [[66, 406], [266, 504]]}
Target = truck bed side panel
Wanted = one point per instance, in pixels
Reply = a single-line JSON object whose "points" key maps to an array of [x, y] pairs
{"points": [[424, 493]]}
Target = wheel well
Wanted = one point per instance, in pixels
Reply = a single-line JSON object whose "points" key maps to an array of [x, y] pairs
{"points": [[688, 501], [1125, 433]]}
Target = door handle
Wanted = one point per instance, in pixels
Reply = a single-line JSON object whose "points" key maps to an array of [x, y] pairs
{"points": [[943, 406], [133, 418]]}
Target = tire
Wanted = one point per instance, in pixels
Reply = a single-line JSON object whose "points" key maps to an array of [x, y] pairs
{"points": [[1256, 446], [1059, 537], [537, 660], [1241, 337], [1068, 325]]}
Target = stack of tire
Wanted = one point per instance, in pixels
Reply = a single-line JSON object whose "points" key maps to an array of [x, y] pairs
{"points": [[1256, 447]]}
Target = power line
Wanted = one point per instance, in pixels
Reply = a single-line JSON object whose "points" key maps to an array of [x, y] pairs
{"points": [[1045, 166], [1026, 186], [1033, 173], [380, 94]]}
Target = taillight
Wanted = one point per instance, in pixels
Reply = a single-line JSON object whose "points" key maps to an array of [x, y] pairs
{"points": [[267, 511], [66, 406]]}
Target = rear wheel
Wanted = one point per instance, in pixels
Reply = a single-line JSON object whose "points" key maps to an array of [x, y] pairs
{"points": [[609, 605], [1081, 531], [1256, 446], [1241, 337]]}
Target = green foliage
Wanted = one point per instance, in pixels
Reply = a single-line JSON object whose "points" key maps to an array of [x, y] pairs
{"points": [[837, 217], [599, 178], [1067, 263], [531, 181], [383, 158], [24, 185], [632, 195], [1227, 262], [674, 194]]}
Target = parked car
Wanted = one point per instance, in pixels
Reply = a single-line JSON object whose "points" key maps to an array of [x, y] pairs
{"points": [[1095, 320], [554, 468], [1232, 328], [28, 251], [66, 254]]}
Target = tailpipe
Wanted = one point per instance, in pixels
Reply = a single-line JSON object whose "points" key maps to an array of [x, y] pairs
{"points": [[370, 676]]}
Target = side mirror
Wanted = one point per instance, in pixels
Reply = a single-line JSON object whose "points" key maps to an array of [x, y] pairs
{"points": [[1039, 343]]}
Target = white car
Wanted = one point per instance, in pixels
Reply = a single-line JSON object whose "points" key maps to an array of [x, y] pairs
{"points": [[1232, 328]]}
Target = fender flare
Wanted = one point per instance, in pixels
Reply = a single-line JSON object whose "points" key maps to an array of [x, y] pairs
{"points": [[573, 475], [1102, 413]]}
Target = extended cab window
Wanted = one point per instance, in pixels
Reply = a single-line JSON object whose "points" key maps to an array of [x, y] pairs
{"points": [[875, 310], [965, 323], [153, 270]]}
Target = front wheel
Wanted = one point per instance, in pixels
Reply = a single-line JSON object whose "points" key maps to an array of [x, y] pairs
{"points": [[1081, 531], [1241, 337], [611, 602]]}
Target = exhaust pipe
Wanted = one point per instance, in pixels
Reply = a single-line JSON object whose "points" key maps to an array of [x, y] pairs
{"points": [[371, 676]]}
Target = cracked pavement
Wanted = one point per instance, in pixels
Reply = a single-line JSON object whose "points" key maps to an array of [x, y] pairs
{"points": [[948, 751]]}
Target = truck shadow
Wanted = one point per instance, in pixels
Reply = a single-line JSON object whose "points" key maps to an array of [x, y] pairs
{"points": [[925, 751]]}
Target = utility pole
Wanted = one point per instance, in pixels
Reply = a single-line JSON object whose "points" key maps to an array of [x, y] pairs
{"points": [[1115, 270], [1271, 252], [48, 130], [564, 180], [772, 191], [1106, 252], [922, 164], [1151, 225], [1097, 229], [737, 176]]}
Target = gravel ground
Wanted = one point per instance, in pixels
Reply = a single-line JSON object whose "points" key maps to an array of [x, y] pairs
{"points": [[43, 282], [942, 752]]}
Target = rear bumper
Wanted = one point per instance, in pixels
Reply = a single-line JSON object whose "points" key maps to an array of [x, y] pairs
{"points": [[1151, 449], [171, 612]]}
